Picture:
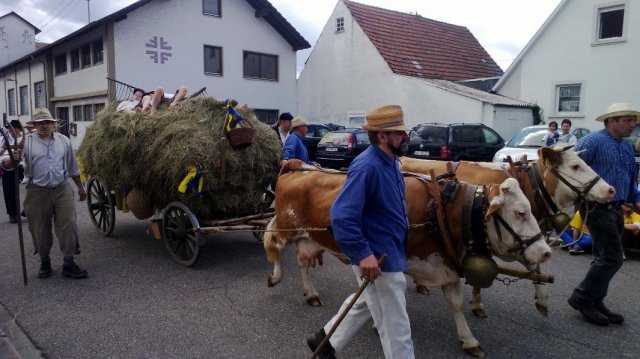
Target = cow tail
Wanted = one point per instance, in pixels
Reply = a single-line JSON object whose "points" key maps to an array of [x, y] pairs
{"points": [[271, 245]]}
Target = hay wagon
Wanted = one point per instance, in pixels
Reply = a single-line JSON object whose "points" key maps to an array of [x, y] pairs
{"points": [[136, 161]]}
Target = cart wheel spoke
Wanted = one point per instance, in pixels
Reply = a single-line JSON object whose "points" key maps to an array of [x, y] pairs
{"points": [[178, 224], [100, 204]]}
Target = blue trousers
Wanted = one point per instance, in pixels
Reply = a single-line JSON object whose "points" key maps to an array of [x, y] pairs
{"points": [[606, 224], [585, 240]]}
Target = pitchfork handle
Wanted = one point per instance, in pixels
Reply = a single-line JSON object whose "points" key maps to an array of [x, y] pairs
{"points": [[363, 285]]}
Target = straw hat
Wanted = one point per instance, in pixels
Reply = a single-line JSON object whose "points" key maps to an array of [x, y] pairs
{"points": [[386, 119], [297, 122], [41, 114], [618, 110]]}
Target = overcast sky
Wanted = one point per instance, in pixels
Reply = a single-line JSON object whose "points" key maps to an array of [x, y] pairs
{"points": [[503, 27]]}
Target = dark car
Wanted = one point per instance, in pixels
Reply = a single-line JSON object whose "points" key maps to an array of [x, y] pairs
{"points": [[338, 148], [455, 141], [315, 132]]}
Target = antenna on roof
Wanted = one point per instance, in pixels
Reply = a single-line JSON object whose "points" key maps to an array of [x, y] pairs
{"points": [[88, 12]]}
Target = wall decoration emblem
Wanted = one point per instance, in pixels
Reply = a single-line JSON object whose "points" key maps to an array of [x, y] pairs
{"points": [[158, 49]]}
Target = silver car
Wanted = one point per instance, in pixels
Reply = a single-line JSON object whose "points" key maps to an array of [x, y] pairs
{"points": [[527, 142]]}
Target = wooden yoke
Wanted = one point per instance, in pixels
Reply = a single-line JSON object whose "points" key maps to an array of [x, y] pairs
{"points": [[434, 190]]}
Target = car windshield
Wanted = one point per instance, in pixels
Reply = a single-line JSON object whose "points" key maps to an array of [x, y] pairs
{"points": [[528, 138], [336, 139]]}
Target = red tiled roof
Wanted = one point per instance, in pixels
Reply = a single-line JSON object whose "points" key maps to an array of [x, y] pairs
{"points": [[443, 51]]}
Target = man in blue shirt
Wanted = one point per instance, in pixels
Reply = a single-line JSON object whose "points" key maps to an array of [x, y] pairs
{"points": [[294, 146], [611, 158], [369, 219]]}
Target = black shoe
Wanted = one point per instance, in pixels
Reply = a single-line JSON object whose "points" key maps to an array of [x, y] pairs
{"points": [[72, 270], [589, 311], [614, 318], [45, 269], [22, 214], [314, 341], [13, 219]]}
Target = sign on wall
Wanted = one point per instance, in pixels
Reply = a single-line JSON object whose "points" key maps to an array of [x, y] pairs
{"points": [[158, 49]]}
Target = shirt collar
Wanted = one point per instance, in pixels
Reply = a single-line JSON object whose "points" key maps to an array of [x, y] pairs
{"points": [[383, 155]]}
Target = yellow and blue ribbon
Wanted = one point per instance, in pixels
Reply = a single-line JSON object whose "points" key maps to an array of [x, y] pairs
{"points": [[193, 181], [233, 117]]}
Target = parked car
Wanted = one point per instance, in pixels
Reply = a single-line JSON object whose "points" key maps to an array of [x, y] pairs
{"points": [[632, 141], [456, 141], [338, 148], [334, 126], [527, 142], [314, 134]]}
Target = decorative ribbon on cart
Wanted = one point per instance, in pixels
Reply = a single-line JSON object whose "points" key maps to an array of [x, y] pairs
{"points": [[233, 119], [193, 181]]}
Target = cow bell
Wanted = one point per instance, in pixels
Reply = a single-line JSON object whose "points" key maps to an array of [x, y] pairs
{"points": [[560, 221], [479, 271]]}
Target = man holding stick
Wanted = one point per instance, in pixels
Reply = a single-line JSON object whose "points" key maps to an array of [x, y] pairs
{"points": [[369, 219]]}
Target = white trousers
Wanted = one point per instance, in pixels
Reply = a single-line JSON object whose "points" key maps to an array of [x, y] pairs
{"points": [[385, 301]]}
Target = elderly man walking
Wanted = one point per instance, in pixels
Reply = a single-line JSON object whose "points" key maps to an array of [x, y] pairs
{"points": [[49, 161]]}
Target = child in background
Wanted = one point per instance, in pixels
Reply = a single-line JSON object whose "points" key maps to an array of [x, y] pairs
{"points": [[551, 137], [578, 233]]}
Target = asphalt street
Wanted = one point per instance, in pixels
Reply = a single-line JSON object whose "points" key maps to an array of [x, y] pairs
{"points": [[138, 303]]}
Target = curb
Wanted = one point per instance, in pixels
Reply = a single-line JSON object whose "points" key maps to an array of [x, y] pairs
{"points": [[14, 342]]}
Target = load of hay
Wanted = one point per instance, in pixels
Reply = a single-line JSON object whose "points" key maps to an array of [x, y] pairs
{"points": [[147, 156]]}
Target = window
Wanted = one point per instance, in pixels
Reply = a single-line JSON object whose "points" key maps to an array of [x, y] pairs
{"points": [[75, 59], [61, 64], [97, 108], [63, 117], [491, 137], [86, 55], [269, 117], [88, 113], [11, 97], [211, 7], [569, 98], [260, 66], [98, 52], [24, 100], [212, 60], [77, 113], [38, 94], [340, 24], [610, 21]]}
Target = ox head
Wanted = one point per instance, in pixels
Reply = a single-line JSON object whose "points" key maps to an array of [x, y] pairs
{"points": [[511, 228], [572, 178]]}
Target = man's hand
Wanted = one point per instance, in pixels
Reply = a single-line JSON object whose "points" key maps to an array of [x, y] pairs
{"points": [[82, 193], [369, 268]]}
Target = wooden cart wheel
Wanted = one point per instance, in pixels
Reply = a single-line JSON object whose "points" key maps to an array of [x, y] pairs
{"points": [[178, 224], [101, 204]]}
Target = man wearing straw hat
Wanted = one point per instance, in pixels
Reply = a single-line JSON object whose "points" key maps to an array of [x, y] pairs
{"points": [[369, 219], [49, 160], [294, 146], [611, 158]]}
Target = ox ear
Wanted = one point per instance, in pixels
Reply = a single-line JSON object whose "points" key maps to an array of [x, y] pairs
{"points": [[496, 204], [567, 147], [551, 157]]}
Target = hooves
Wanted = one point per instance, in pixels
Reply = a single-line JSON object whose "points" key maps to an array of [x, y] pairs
{"points": [[542, 309], [270, 282], [476, 352], [479, 312], [315, 301], [422, 290]]}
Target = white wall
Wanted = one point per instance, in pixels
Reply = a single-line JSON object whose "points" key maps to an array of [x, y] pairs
{"points": [[17, 39], [187, 32], [25, 74], [565, 52]]}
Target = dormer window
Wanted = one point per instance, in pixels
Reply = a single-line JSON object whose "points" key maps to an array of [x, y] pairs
{"points": [[340, 24]]}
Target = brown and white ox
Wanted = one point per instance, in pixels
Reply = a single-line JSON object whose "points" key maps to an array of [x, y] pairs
{"points": [[562, 160], [304, 196]]}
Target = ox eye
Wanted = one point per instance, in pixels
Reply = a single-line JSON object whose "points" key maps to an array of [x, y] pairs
{"points": [[575, 167]]}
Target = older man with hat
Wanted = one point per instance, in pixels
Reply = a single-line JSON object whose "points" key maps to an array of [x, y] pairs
{"points": [[49, 161], [369, 219], [613, 160], [294, 146]]}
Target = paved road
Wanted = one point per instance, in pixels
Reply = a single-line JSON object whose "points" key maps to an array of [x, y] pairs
{"points": [[138, 303]]}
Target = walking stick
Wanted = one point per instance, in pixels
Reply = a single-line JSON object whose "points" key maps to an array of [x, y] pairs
{"points": [[15, 163], [363, 285]]}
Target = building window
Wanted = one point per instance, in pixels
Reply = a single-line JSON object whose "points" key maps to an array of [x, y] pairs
{"points": [[86, 55], [212, 60], [77, 113], [24, 100], [569, 98], [63, 120], [38, 94], [88, 113], [211, 7], [97, 108], [267, 116], [75, 59], [11, 97], [98, 52], [340, 24], [260, 66], [61, 64], [610, 21]]}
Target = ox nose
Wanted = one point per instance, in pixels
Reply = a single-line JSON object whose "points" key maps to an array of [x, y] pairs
{"points": [[612, 191], [545, 256]]}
